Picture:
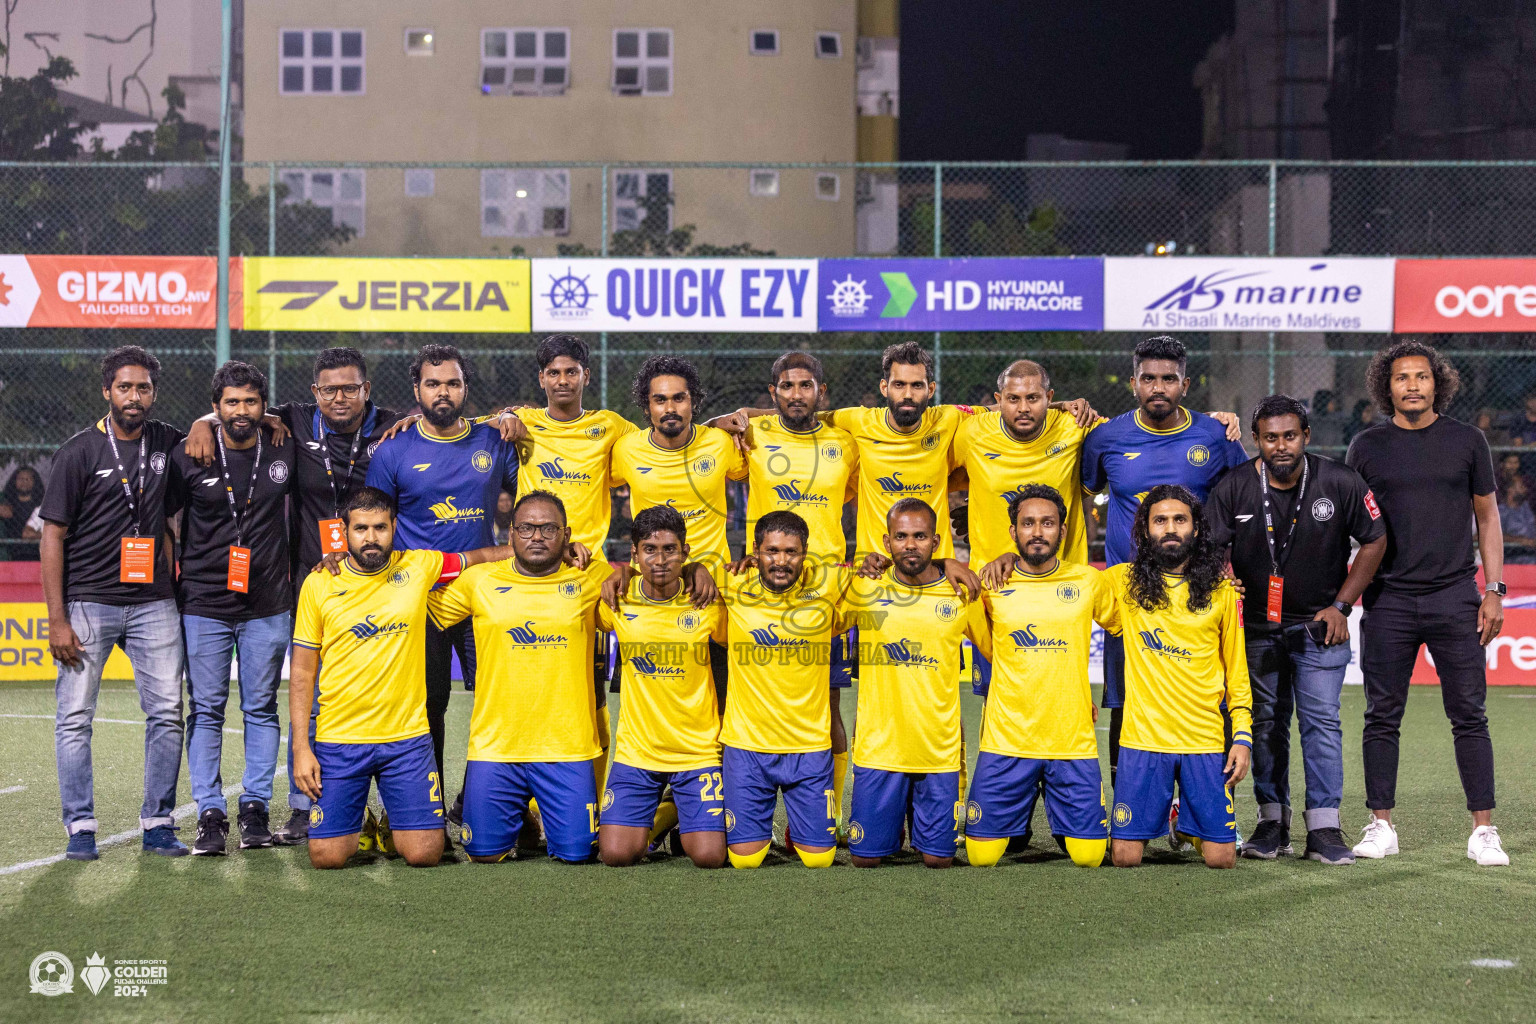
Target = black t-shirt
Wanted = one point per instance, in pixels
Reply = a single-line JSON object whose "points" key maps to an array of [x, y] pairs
{"points": [[1424, 481], [208, 530], [85, 494], [1337, 506], [317, 496]]}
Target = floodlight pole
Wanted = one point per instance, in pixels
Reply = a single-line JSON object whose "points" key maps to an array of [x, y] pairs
{"points": [[221, 329]]}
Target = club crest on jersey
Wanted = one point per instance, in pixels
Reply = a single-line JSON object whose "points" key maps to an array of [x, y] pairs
{"points": [[1322, 510], [368, 629], [157, 462], [607, 799], [688, 621], [1027, 640], [568, 590], [481, 460], [278, 472], [1122, 815], [904, 652], [972, 813], [704, 465], [1068, 592], [527, 635], [400, 577], [730, 820], [855, 832], [831, 452], [946, 610], [316, 815], [595, 431], [552, 470], [1055, 450], [930, 442], [1198, 455], [447, 512], [1153, 640], [893, 484]]}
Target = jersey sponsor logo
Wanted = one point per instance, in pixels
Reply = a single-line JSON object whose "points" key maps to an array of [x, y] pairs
{"points": [[400, 577], [313, 446], [1322, 510], [527, 635], [481, 460], [686, 513], [157, 462], [643, 469], [893, 484], [1371, 506], [946, 610], [1131, 455], [1243, 518], [210, 481], [1122, 815], [447, 512], [905, 652], [104, 473], [646, 664], [1069, 592], [991, 455], [422, 467], [1198, 455], [1027, 639], [791, 494], [1153, 640], [368, 629], [768, 636]]}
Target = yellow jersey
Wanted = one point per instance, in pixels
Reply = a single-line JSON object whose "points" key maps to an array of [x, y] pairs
{"points": [[999, 467], [1040, 704], [895, 465], [371, 631], [806, 472], [570, 459], [1179, 667], [690, 479], [669, 720], [909, 651], [780, 657], [534, 697]]}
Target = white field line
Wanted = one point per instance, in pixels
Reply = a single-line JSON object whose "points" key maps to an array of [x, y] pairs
{"points": [[111, 721], [11, 789]]}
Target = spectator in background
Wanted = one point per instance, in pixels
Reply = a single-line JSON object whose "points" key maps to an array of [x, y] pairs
{"points": [[1488, 424], [1523, 430], [868, 400], [1363, 416], [504, 503], [1519, 522], [22, 495], [1328, 419], [1509, 471]]}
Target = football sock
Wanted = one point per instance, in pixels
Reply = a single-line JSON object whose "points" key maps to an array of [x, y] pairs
{"points": [[839, 777], [984, 853], [666, 819], [817, 860], [1087, 853], [747, 860]]}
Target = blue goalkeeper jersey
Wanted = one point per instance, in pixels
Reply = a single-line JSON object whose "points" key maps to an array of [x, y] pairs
{"points": [[1131, 459], [446, 488]]}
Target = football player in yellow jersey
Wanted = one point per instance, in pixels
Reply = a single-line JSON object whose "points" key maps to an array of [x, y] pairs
{"points": [[783, 623], [909, 749], [367, 625], [533, 733], [1038, 726], [669, 728], [1184, 657]]}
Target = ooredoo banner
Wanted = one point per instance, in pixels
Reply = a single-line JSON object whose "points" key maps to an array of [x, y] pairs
{"points": [[690, 295], [1041, 294], [1466, 295], [300, 293], [111, 291]]}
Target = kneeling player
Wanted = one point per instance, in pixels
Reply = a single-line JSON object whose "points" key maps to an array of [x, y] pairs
{"points": [[1184, 655], [908, 752], [1038, 724], [669, 726], [533, 733], [783, 620], [367, 626]]}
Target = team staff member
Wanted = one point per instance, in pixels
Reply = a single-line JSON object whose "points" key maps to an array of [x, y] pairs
{"points": [[234, 596], [1184, 662], [1289, 517], [1038, 723], [1432, 476], [107, 582]]}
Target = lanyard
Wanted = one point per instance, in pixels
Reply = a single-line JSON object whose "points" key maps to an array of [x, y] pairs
{"points": [[1269, 517], [229, 488], [122, 472], [339, 498]]}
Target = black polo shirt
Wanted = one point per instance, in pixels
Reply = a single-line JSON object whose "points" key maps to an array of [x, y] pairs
{"points": [[1337, 506]]}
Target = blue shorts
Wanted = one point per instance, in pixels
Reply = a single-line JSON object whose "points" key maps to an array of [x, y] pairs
{"points": [[634, 793], [752, 780], [1144, 796], [1114, 673], [844, 662], [496, 795], [1004, 790], [881, 800], [409, 786], [981, 674]]}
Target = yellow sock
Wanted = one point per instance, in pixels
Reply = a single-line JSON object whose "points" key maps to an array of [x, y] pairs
{"points": [[1087, 853], [817, 860], [748, 860], [839, 777], [533, 806], [666, 819], [984, 853], [600, 762]]}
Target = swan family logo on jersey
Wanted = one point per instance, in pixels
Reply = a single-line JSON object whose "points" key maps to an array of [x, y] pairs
{"points": [[906, 652], [1027, 639], [447, 512], [527, 635], [370, 630], [1153, 640]]}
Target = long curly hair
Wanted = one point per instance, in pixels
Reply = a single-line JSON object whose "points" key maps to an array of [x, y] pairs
{"points": [[1202, 574], [1378, 378]]}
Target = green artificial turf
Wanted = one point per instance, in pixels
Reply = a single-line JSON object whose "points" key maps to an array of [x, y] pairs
{"points": [[261, 936]]}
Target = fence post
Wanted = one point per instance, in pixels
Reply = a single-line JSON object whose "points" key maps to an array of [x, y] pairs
{"points": [[221, 322], [938, 250], [602, 374], [271, 251], [1272, 225]]}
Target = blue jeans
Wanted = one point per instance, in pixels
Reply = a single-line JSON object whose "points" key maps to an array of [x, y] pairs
{"points": [[211, 643], [1306, 677], [151, 636], [297, 800]]}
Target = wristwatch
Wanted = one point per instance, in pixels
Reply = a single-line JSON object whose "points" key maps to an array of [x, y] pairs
{"points": [[1496, 588], [1343, 608]]}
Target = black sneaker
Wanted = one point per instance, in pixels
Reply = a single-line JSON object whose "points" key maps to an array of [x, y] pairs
{"points": [[212, 834], [456, 812], [295, 832], [255, 833], [1269, 840], [1329, 846], [82, 846]]}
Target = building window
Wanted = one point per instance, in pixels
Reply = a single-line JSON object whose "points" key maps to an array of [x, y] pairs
{"points": [[763, 183], [341, 192], [640, 198], [525, 203], [525, 61], [829, 45], [642, 62], [764, 42], [420, 182], [322, 61], [419, 42], [828, 186]]}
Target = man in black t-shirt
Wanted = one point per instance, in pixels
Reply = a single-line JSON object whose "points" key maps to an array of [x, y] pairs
{"points": [[234, 593], [1289, 518], [107, 582], [1432, 476]]}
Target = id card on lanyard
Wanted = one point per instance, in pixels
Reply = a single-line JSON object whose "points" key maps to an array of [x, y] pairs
{"points": [[239, 576], [1276, 557], [136, 554], [333, 535]]}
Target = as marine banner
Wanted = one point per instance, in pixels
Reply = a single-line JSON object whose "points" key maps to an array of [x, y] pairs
{"points": [[300, 293]]}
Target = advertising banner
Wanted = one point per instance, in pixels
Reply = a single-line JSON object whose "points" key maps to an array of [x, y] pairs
{"points": [[1048, 294], [688, 295], [1466, 295], [1237, 293], [24, 646], [301, 293], [109, 291]]}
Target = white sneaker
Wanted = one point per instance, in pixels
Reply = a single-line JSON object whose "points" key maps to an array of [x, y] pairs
{"points": [[1379, 839], [1485, 848]]}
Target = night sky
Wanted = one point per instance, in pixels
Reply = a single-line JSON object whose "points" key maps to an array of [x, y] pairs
{"points": [[977, 76]]}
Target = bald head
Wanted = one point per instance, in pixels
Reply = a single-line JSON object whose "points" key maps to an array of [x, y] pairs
{"points": [[1023, 399], [1020, 369]]}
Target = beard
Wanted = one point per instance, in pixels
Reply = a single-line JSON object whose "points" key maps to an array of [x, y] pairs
{"points": [[672, 426], [130, 418], [1171, 556], [1284, 473], [443, 415], [240, 429], [905, 416], [371, 557], [1035, 557], [798, 417]]}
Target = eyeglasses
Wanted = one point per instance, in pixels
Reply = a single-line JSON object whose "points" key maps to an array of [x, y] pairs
{"points": [[330, 391], [549, 531]]}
